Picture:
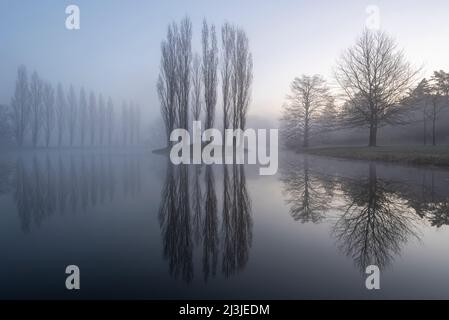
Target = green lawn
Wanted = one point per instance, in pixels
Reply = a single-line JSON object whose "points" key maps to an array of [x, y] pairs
{"points": [[420, 155]]}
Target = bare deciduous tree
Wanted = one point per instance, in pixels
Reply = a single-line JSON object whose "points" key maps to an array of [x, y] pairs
{"points": [[60, 113], [210, 79], [49, 111], [72, 113], [101, 119], [92, 117], [242, 77], [183, 68], [166, 85], [137, 123], [439, 95], [110, 120], [196, 88], [83, 115], [36, 96], [420, 98], [20, 105], [227, 42], [307, 103], [375, 76], [125, 117]]}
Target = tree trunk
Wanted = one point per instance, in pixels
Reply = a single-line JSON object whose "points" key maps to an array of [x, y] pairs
{"points": [[425, 131], [372, 135], [305, 143], [434, 138]]}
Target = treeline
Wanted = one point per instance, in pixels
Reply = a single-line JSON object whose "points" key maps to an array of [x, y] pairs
{"points": [[73, 183], [188, 82], [42, 115], [362, 202], [376, 87]]}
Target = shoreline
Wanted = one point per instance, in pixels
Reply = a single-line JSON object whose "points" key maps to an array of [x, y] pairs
{"points": [[411, 155]]}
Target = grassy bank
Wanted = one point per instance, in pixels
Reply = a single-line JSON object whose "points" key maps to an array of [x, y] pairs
{"points": [[417, 155]]}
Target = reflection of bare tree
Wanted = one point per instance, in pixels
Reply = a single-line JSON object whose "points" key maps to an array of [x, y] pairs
{"points": [[62, 186], [22, 195], [111, 180], [84, 184], [6, 177], [174, 216], [197, 208], [237, 221], [42, 187], [307, 195], [51, 191], [375, 222], [93, 187], [432, 205], [37, 193], [180, 225], [210, 234], [74, 191]]}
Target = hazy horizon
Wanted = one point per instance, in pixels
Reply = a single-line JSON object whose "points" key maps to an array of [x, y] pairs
{"points": [[287, 39]]}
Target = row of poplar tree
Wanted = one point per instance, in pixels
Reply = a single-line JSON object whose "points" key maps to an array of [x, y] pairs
{"points": [[42, 115]]}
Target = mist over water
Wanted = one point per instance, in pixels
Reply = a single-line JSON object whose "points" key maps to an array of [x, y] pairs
{"points": [[87, 178], [140, 227]]}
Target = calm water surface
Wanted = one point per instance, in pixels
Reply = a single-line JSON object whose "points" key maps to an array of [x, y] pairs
{"points": [[138, 227]]}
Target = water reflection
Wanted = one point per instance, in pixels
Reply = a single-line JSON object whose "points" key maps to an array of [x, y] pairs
{"points": [[371, 216], [376, 220], [48, 184], [306, 194], [190, 220]]}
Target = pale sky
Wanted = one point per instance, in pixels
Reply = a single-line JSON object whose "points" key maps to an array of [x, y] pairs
{"points": [[117, 49]]}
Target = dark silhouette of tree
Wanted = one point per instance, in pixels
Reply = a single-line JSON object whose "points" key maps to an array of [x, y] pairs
{"points": [[420, 97], [242, 78], [83, 112], [183, 69], [101, 119], [92, 117], [21, 106], [374, 77], [227, 45], [167, 82], [60, 113], [49, 111], [125, 121], [138, 123], [439, 97], [131, 122], [197, 89], [308, 103], [72, 114], [110, 120], [36, 97], [210, 79]]}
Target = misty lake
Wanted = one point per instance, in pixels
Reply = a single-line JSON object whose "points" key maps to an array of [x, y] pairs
{"points": [[138, 227]]}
